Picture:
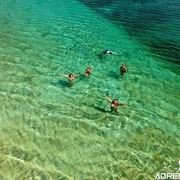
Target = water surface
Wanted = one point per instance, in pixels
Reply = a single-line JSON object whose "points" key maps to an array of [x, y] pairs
{"points": [[52, 131]]}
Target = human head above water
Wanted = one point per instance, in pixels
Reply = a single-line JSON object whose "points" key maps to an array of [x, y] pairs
{"points": [[70, 75], [115, 101]]}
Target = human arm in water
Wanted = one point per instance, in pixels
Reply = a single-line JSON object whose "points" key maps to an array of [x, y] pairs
{"points": [[114, 101], [70, 76], [77, 75], [110, 100], [119, 104], [64, 75]]}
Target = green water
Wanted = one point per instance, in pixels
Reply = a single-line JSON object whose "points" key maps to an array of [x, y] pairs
{"points": [[49, 130]]}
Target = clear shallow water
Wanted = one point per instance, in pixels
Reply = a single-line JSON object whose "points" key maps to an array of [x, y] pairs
{"points": [[52, 131]]}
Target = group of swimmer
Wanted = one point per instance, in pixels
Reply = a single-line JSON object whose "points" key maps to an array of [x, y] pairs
{"points": [[87, 73], [71, 76]]}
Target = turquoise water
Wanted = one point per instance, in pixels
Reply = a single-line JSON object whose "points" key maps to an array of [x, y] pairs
{"points": [[153, 23], [52, 131]]}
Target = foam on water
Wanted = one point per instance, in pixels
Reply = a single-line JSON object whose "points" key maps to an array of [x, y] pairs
{"points": [[52, 131]]}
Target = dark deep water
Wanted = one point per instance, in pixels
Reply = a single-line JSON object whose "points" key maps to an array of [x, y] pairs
{"points": [[153, 23]]}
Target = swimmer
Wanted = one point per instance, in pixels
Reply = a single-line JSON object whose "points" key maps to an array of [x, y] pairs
{"points": [[123, 69], [108, 52], [114, 104], [88, 71], [70, 77]]}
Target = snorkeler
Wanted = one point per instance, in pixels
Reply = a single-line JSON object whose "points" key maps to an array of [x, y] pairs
{"points": [[88, 71], [70, 77], [114, 104], [108, 52], [123, 69]]}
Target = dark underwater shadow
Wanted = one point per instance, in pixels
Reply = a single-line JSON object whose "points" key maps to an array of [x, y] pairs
{"points": [[113, 74], [97, 3], [64, 83], [81, 77], [100, 56], [101, 109]]}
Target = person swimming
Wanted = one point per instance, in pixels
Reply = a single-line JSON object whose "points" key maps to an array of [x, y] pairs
{"points": [[88, 71], [108, 52], [70, 77], [114, 104], [123, 69]]}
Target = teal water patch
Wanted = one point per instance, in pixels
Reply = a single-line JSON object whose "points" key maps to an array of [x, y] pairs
{"points": [[50, 130]]}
